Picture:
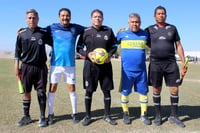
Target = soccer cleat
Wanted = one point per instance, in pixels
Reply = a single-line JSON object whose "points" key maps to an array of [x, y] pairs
{"points": [[50, 119], [158, 120], [108, 119], [24, 121], [42, 122], [75, 118], [126, 118], [175, 120], [145, 120], [86, 121]]}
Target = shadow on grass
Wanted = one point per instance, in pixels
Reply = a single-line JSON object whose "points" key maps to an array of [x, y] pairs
{"points": [[187, 112]]}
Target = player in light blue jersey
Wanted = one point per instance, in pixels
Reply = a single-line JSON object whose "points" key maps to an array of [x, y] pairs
{"points": [[64, 36], [133, 43]]}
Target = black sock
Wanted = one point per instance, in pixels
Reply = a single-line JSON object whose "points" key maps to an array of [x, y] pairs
{"points": [[107, 102], [174, 104], [88, 102], [156, 100], [26, 107], [42, 103]]}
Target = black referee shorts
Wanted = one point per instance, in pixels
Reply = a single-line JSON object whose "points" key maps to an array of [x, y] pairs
{"points": [[92, 73], [34, 76], [159, 70]]}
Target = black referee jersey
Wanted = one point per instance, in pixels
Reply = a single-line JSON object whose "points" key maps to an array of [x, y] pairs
{"points": [[97, 38], [162, 41], [30, 46]]}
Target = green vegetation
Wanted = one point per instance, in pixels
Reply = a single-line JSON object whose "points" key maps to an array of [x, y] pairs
{"points": [[11, 106]]}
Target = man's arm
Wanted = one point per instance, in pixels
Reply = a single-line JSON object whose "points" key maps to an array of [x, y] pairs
{"points": [[180, 52]]}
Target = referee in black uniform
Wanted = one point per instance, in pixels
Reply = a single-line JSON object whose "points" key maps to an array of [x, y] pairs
{"points": [[164, 41], [97, 36], [30, 50]]}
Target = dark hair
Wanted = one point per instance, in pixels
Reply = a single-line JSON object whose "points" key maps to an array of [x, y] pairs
{"points": [[159, 7], [64, 9], [97, 10]]}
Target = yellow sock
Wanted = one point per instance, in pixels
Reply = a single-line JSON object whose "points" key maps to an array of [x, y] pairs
{"points": [[143, 104], [124, 103]]}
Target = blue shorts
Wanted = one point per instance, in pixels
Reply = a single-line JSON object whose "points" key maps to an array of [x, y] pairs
{"points": [[136, 79]]}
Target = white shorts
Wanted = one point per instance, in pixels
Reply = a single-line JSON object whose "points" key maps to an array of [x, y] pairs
{"points": [[68, 73]]}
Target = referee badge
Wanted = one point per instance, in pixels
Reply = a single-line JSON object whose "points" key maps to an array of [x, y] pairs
{"points": [[105, 37], [40, 41]]}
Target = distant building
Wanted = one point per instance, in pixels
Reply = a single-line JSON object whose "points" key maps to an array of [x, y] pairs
{"points": [[194, 55]]}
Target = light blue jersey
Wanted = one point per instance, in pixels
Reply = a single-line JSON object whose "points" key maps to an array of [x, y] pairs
{"points": [[64, 42]]}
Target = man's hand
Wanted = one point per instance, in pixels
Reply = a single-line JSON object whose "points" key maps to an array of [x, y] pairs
{"points": [[90, 56], [107, 60], [121, 29], [184, 70], [185, 66]]}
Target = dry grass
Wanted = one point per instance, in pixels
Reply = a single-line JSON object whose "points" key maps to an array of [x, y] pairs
{"points": [[11, 112]]}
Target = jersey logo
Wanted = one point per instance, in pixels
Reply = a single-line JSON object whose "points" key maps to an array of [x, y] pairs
{"points": [[98, 35], [169, 34], [72, 30], [126, 36], [133, 44], [33, 38], [40, 42], [44, 30], [162, 38], [105, 37]]}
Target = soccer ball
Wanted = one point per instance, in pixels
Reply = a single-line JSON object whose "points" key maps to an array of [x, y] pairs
{"points": [[99, 55]]}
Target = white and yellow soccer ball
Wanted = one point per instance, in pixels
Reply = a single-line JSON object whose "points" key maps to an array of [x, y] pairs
{"points": [[99, 55]]}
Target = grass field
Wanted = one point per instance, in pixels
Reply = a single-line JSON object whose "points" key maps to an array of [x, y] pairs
{"points": [[11, 106]]}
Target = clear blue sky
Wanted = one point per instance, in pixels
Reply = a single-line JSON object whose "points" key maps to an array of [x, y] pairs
{"points": [[182, 13]]}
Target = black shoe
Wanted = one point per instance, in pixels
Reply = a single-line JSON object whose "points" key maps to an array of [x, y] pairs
{"points": [[108, 119], [86, 121], [175, 120], [42, 122], [126, 118], [24, 121], [75, 118], [145, 120], [50, 119], [158, 120]]}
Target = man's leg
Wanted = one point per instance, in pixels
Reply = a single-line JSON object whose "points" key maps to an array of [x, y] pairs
{"points": [[125, 108], [73, 98], [174, 107], [88, 103], [51, 97], [144, 105], [41, 94], [107, 104], [157, 106], [26, 119]]}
